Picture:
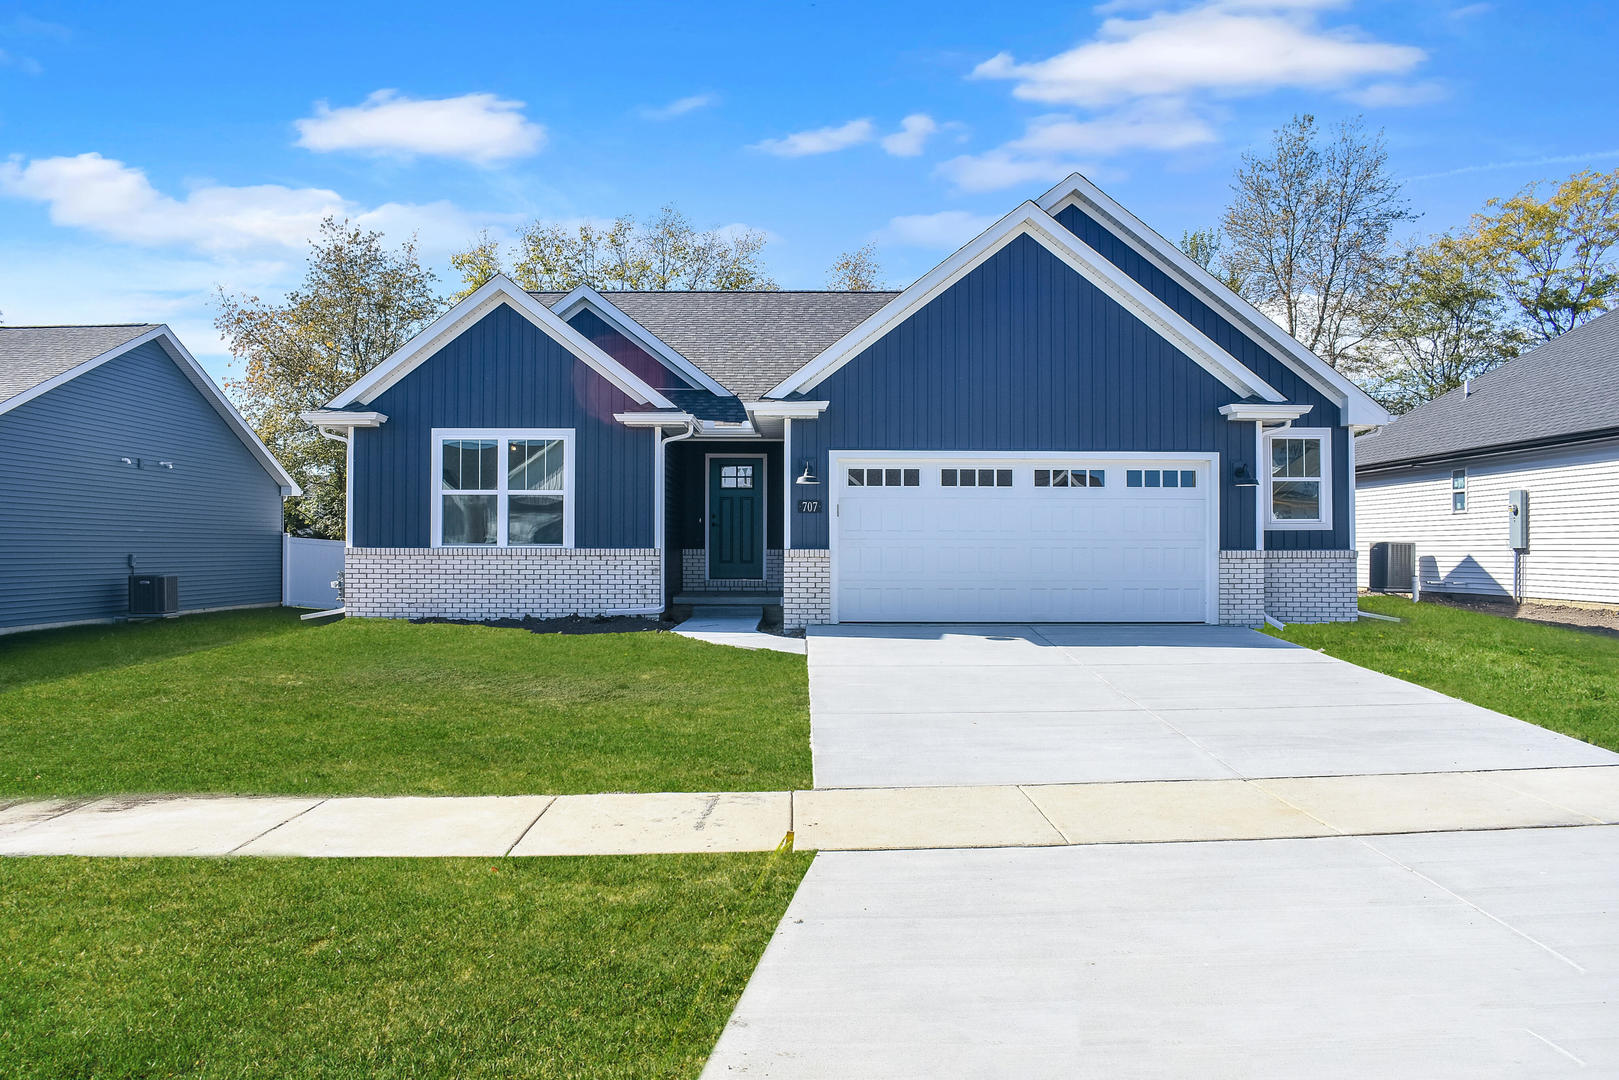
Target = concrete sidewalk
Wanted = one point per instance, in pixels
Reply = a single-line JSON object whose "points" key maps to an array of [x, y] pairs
{"points": [[846, 819]]}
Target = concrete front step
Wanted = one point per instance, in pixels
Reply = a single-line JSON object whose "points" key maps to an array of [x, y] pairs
{"points": [[835, 819]]}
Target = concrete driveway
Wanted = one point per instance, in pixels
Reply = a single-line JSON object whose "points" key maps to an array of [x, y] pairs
{"points": [[944, 705], [1445, 955]]}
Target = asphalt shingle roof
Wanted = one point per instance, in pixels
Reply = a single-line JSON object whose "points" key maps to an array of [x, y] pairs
{"points": [[746, 341], [1565, 388], [30, 355]]}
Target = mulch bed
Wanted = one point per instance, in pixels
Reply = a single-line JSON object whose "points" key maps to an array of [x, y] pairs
{"points": [[568, 624]]}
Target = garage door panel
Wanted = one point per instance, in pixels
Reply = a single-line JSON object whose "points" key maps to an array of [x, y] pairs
{"points": [[927, 552]]}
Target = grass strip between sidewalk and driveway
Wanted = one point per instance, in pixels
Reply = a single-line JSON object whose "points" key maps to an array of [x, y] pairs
{"points": [[257, 702], [1565, 680], [332, 969]]}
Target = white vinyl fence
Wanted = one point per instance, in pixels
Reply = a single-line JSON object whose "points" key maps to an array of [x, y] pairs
{"points": [[308, 568]]}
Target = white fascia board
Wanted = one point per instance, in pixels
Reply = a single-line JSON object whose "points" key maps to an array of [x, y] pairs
{"points": [[1029, 220], [198, 377], [1358, 406], [798, 410], [496, 291], [610, 313], [337, 418], [659, 419], [1266, 413]]}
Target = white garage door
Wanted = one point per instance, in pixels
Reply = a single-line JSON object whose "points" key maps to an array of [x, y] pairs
{"points": [[1069, 539]]}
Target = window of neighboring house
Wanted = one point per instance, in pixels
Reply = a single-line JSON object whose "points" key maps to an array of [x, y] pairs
{"points": [[1458, 491], [1299, 480], [503, 488]]}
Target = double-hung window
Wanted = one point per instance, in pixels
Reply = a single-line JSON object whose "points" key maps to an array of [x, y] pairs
{"points": [[1458, 491], [1298, 474], [499, 488]]}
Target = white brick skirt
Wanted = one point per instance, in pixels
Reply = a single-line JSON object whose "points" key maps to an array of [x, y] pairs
{"points": [[694, 574], [1289, 586], [501, 583], [806, 587]]}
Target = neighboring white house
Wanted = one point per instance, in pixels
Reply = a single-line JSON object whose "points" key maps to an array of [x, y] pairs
{"points": [[1440, 476]]}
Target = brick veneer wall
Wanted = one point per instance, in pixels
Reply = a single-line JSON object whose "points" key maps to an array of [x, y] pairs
{"points": [[806, 588], [1289, 586], [1242, 588], [1310, 586], [500, 583], [694, 574]]}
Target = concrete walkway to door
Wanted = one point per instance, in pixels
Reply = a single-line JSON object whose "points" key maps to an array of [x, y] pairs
{"points": [[915, 705]]}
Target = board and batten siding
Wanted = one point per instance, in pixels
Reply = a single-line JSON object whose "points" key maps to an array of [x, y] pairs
{"points": [[1025, 354], [503, 372], [1254, 356], [646, 367], [1573, 526], [75, 514]]}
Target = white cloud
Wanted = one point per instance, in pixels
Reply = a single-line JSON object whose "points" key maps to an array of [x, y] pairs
{"points": [[912, 135], [25, 64], [116, 201], [945, 230], [1393, 94], [1053, 146], [680, 106], [1224, 46], [479, 128], [821, 140]]}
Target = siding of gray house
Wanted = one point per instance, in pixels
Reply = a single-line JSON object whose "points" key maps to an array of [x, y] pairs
{"points": [[1253, 356], [1024, 354], [503, 372], [75, 514]]}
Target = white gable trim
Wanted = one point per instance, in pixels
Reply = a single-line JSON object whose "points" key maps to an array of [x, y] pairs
{"points": [[1029, 220], [447, 327], [585, 296], [198, 377], [1358, 406]]}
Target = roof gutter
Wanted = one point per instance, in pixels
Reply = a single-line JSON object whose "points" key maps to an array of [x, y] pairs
{"points": [[1498, 450]]}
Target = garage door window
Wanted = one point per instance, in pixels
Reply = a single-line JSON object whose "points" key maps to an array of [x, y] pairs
{"points": [[1160, 478], [885, 477], [1070, 478], [983, 478], [1299, 489]]}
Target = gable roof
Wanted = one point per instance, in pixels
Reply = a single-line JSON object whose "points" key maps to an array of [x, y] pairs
{"points": [[748, 341], [585, 297], [498, 290], [35, 360], [31, 355], [1566, 389], [1030, 220], [1358, 407]]}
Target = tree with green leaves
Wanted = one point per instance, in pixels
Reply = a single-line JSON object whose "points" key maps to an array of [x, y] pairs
{"points": [[659, 253], [1307, 234], [1441, 323], [358, 303], [1554, 258], [856, 271], [476, 265]]}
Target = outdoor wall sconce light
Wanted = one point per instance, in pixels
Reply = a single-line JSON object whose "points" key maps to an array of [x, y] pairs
{"points": [[129, 461], [808, 475], [165, 464], [1242, 476]]}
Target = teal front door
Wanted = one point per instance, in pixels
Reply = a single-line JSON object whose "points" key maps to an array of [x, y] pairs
{"points": [[736, 517]]}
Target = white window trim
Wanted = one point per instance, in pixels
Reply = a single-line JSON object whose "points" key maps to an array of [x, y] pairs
{"points": [[1454, 491], [436, 474], [1272, 523]]}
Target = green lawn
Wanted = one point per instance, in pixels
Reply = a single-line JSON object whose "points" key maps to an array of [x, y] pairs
{"points": [[329, 968], [259, 702], [1561, 679]]}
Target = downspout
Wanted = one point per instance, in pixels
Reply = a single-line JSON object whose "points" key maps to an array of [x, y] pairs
{"points": [[663, 497], [348, 493]]}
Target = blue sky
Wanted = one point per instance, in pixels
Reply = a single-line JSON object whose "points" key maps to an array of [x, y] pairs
{"points": [[151, 153]]}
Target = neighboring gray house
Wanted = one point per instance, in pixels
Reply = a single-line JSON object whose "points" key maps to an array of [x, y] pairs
{"points": [[119, 453], [1546, 423], [1066, 420]]}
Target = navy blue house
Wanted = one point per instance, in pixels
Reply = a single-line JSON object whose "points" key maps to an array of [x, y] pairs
{"points": [[122, 456], [1066, 420]]}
